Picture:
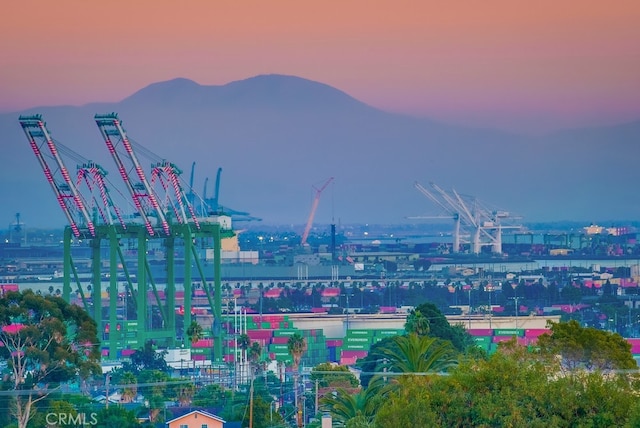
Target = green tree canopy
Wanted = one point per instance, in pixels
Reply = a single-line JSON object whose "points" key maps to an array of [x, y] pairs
{"points": [[586, 347], [333, 375], [512, 388], [146, 358], [439, 326], [116, 416], [46, 341]]}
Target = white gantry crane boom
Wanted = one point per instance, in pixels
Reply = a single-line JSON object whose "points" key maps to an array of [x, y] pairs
{"points": [[452, 214], [92, 175], [143, 196], [314, 207], [167, 175], [70, 199], [484, 226]]}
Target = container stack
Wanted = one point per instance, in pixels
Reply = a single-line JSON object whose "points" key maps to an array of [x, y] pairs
{"points": [[488, 339]]}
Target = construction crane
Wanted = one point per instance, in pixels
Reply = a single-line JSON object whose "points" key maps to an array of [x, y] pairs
{"points": [[314, 207]]}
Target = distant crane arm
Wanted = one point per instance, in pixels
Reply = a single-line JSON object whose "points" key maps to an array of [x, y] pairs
{"points": [[314, 207]]}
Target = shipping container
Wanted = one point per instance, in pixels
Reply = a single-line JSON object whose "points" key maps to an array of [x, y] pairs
{"points": [[509, 332]]}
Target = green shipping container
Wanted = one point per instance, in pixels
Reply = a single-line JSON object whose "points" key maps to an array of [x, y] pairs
{"points": [[285, 333], [519, 332]]}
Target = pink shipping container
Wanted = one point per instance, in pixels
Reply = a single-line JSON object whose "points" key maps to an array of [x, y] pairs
{"points": [[353, 354], [347, 361], [535, 332], [280, 340], [203, 343], [128, 352], [229, 358], [198, 357], [635, 345], [260, 334], [480, 332], [334, 343]]}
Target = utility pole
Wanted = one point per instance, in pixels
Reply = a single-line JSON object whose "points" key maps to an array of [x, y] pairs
{"points": [[251, 404], [316, 396], [106, 385]]}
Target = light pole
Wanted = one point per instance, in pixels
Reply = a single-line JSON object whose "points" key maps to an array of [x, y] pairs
{"points": [[489, 289], [514, 285], [516, 298], [469, 311]]}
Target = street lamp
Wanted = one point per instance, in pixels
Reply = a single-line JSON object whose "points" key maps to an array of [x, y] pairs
{"points": [[514, 285]]}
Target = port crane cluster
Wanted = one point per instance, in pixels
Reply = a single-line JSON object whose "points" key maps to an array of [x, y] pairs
{"points": [[474, 223], [163, 215]]}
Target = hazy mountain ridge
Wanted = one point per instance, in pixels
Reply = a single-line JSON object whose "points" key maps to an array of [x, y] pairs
{"points": [[275, 136]]}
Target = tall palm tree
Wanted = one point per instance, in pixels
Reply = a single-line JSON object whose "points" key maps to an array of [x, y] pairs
{"points": [[297, 346], [417, 354]]}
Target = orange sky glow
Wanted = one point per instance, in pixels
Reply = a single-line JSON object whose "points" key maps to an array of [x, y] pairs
{"points": [[515, 65]]}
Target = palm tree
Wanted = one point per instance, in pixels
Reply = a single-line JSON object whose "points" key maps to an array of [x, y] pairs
{"points": [[346, 407], [254, 353], [417, 323], [130, 389], [184, 393], [194, 332], [417, 354], [297, 347]]}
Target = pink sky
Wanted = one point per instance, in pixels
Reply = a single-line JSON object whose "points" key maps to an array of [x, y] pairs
{"points": [[516, 65]]}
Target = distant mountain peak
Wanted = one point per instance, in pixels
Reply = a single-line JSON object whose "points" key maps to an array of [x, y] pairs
{"points": [[264, 89]]}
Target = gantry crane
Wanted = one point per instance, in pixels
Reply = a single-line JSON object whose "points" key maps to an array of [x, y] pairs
{"points": [[314, 207], [451, 213], [174, 204], [484, 226], [64, 188], [108, 228]]}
